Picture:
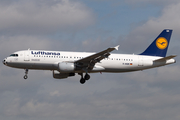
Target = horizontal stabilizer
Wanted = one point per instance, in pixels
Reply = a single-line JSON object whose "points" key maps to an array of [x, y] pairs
{"points": [[165, 58]]}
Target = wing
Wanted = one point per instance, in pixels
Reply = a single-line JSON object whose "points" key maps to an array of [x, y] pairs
{"points": [[88, 63]]}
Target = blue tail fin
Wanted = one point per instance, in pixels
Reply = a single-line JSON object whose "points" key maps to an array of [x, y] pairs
{"points": [[160, 45]]}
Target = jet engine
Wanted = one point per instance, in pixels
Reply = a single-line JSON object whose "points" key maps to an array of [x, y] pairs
{"points": [[59, 75], [66, 67]]}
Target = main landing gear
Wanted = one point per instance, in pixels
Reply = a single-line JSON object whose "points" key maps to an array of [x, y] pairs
{"points": [[86, 77], [26, 72]]}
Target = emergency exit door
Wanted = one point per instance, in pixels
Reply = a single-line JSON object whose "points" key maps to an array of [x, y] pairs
{"points": [[27, 55]]}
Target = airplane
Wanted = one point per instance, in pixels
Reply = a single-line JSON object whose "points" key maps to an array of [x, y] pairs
{"points": [[65, 64]]}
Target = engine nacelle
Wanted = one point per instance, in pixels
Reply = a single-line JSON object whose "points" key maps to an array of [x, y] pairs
{"points": [[66, 67], [59, 75]]}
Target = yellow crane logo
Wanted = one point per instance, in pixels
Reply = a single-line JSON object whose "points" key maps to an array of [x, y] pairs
{"points": [[161, 43]]}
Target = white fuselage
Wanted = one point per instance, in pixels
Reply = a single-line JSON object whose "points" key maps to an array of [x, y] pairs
{"points": [[48, 60]]}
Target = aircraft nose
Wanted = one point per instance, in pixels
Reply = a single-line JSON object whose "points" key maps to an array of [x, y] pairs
{"points": [[4, 61]]}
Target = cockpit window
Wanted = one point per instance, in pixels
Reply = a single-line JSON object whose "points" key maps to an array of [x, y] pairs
{"points": [[14, 55]]}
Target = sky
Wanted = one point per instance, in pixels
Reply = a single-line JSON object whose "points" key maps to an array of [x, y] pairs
{"points": [[89, 26]]}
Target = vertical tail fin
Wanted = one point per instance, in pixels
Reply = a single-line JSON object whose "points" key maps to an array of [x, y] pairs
{"points": [[160, 45]]}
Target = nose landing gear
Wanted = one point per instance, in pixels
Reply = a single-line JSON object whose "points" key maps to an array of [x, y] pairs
{"points": [[26, 72]]}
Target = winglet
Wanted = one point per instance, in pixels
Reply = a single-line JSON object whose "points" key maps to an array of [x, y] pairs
{"points": [[116, 47]]}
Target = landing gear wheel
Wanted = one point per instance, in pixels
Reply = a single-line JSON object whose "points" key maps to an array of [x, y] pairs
{"points": [[82, 81], [87, 77], [25, 76]]}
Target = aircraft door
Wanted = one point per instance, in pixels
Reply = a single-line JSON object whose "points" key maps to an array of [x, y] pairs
{"points": [[140, 61], [27, 55]]}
